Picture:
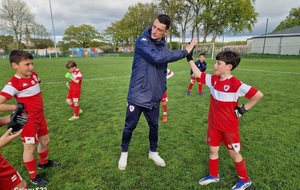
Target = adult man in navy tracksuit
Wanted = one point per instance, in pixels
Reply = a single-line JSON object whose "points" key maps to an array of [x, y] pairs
{"points": [[148, 83]]}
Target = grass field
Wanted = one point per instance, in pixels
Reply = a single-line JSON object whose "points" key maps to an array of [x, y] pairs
{"points": [[89, 148]]}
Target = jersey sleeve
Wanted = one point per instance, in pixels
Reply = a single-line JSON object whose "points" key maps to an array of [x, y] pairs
{"points": [[9, 90], [246, 91], [252, 91], [206, 79]]}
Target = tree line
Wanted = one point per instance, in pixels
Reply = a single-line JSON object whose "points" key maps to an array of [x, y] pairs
{"points": [[193, 18]]}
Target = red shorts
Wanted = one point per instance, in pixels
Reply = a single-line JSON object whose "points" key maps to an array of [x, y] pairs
{"points": [[165, 97], [231, 140], [9, 176], [193, 80], [35, 127], [74, 95]]}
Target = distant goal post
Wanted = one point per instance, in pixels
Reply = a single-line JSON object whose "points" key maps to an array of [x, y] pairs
{"points": [[207, 48]]}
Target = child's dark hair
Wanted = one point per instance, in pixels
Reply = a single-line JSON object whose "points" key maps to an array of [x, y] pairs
{"points": [[16, 56], [202, 54], [70, 64], [229, 57], [165, 19]]}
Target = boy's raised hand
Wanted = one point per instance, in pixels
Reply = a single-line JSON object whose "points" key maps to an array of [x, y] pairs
{"points": [[191, 45], [190, 48]]}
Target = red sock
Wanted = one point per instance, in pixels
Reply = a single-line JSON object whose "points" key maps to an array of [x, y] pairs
{"points": [[165, 109], [44, 156], [32, 168], [190, 87], [214, 167], [200, 88], [72, 106], [76, 110], [241, 170]]}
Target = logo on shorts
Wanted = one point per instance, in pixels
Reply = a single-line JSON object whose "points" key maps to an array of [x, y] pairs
{"points": [[235, 146], [131, 108], [29, 140], [226, 87]]}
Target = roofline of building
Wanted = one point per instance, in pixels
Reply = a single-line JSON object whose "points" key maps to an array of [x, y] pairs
{"points": [[275, 35]]}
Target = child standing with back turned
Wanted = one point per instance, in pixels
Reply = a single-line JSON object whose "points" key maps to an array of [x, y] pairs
{"points": [[224, 114]]}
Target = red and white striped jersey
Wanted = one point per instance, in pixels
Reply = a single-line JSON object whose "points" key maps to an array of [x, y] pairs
{"points": [[224, 97], [27, 91], [78, 76]]}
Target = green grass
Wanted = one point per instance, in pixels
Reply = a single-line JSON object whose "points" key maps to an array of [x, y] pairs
{"points": [[89, 148]]}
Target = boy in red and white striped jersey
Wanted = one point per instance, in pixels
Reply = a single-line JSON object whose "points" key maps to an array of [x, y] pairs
{"points": [[24, 86], [73, 96], [224, 114]]}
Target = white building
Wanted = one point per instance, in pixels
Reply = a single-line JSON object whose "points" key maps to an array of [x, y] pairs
{"points": [[283, 42]]}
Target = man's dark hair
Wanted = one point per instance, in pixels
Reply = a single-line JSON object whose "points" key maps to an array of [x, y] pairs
{"points": [[229, 57], [164, 19], [70, 64], [16, 56], [202, 54]]}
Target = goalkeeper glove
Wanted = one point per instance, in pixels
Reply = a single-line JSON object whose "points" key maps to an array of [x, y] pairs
{"points": [[189, 56], [68, 75], [18, 118], [239, 111]]}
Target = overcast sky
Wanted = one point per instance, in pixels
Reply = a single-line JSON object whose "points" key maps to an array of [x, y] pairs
{"points": [[101, 13]]}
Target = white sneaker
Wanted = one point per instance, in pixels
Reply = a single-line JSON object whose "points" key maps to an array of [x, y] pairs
{"points": [[123, 161], [157, 159], [73, 118]]}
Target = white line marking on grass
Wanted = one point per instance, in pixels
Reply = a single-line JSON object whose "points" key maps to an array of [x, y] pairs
{"points": [[178, 72], [94, 79], [267, 71]]}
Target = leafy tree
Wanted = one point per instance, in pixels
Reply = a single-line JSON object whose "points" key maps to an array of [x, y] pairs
{"points": [[81, 36], [42, 43], [6, 42], [114, 34], [137, 19], [221, 16], [38, 31], [293, 19], [173, 9], [14, 16], [125, 31], [195, 6], [184, 17]]}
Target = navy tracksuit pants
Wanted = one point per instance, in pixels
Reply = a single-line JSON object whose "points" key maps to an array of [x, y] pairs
{"points": [[133, 114]]}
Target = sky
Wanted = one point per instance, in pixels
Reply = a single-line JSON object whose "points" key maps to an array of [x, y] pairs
{"points": [[101, 13]]}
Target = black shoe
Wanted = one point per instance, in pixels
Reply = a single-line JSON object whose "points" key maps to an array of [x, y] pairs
{"points": [[39, 181], [49, 164]]}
